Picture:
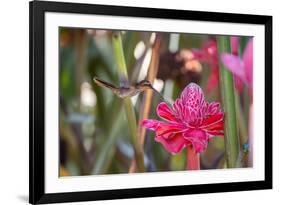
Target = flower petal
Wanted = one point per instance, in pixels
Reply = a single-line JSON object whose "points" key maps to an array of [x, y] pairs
{"points": [[234, 64], [214, 124], [165, 112], [215, 133], [198, 138], [150, 124], [212, 119], [174, 144], [213, 108], [164, 129], [216, 129], [248, 61], [168, 134], [182, 111]]}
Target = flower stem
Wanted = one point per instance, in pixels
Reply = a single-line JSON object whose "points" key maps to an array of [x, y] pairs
{"points": [[231, 137], [129, 109], [193, 159]]}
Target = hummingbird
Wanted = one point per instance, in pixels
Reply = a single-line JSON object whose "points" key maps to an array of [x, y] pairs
{"points": [[127, 91]]}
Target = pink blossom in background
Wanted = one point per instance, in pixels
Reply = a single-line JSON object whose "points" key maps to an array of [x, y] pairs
{"points": [[234, 43], [191, 121], [209, 54], [241, 68]]}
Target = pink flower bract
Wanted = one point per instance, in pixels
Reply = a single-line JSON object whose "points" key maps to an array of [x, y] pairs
{"points": [[241, 67], [190, 121]]}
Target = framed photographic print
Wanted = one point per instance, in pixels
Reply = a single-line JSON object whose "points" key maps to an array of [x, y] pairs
{"points": [[140, 102]]}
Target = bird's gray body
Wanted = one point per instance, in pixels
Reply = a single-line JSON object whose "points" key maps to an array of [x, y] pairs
{"points": [[124, 92]]}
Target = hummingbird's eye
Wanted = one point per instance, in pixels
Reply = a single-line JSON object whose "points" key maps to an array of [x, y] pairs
{"points": [[146, 83]]}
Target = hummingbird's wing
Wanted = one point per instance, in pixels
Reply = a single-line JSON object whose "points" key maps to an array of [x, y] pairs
{"points": [[102, 83]]}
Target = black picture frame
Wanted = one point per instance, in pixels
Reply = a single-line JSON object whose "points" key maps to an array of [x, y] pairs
{"points": [[37, 11]]}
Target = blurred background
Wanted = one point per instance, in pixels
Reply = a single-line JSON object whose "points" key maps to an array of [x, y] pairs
{"points": [[94, 135]]}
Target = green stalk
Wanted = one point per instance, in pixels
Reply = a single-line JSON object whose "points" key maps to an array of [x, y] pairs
{"points": [[241, 121], [129, 109], [231, 137]]}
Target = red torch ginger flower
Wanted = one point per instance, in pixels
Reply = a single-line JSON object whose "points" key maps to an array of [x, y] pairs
{"points": [[191, 121]]}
